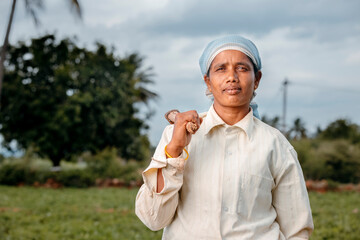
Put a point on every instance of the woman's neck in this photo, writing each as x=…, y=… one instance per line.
x=231, y=115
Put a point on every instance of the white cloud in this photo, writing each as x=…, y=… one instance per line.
x=353, y=58
x=315, y=44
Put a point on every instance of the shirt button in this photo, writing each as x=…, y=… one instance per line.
x=229, y=153
x=226, y=209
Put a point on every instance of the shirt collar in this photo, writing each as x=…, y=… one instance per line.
x=213, y=120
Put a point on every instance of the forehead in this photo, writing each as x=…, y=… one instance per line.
x=227, y=56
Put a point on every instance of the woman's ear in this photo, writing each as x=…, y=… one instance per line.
x=258, y=76
x=207, y=81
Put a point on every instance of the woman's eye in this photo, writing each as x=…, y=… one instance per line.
x=242, y=68
x=220, y=69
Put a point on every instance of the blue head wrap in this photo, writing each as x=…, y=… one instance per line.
x=232, y=42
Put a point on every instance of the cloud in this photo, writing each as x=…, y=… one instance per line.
x=315, y=44
x=200, y=18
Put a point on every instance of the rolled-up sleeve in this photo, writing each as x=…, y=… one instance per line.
x=291, y=201
x=156, y=210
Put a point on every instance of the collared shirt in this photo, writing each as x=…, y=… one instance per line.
x=240, y=182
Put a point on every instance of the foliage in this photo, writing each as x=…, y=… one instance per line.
x=18, y=173
x=332, y=154
x=341, y=129
x=274, y=122
x=31, y=7
x=106, y=164
x=298, y=130
x=342, y=160
x=1, y=158
x=64, y=100
x=12, y=174
x=31, y=170
x=75, y=178
x=336, y=160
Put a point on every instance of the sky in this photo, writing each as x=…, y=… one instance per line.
x=315, y=44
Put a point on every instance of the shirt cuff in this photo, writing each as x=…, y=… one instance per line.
x=172, y=169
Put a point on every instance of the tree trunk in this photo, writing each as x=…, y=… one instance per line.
x=4, y=47
x=56, y=161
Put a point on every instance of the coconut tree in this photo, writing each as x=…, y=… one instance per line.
x=31, y=7
x=298, y=130
x=274, y=122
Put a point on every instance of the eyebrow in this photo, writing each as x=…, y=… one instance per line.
x=224, y=64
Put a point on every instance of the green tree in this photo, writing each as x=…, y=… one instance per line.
x=341, y=129
x=31, y=6
x=298, y=130
x=274, y=122
x=63, y=100
x=342, y=160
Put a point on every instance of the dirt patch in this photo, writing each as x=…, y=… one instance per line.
x=324, y=186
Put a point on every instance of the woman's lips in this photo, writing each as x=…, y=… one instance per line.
x=232, y=90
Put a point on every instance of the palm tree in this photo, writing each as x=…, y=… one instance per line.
x=298, y=130
x=274, y=122
x=31, y=6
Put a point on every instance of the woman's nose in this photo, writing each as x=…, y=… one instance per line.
x=232, y=76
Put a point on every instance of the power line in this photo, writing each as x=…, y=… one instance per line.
x=326, y=87
x=285, y=85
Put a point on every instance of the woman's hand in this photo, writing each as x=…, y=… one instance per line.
x=181, y=137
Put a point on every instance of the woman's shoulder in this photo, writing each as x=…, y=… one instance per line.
x=271, y=133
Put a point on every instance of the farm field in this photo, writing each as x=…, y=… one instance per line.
x=106, y=214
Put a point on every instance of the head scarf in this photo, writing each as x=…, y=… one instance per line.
x=232, y=42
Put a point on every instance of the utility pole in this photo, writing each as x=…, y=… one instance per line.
x=285, y=84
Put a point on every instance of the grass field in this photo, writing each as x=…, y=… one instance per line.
x=46, y=214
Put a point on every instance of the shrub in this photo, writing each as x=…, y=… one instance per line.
x=75, y=178
x=30, y=169
x=131, y=172
x=12, y=174
x=105, y=164
x=342, y=160
x=336, y=160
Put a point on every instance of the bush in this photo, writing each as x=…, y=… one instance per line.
x=12, y=174
x=342, y=160
x=31, y=170
x=106, y=164
x=313, y=167
x=131, y=172
x=18, y=172
x=336, y=160
x=79, y=178
x=1, y=158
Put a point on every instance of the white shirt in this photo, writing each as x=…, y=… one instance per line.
x=240, y=182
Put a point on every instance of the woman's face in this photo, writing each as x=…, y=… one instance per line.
x=232, y=80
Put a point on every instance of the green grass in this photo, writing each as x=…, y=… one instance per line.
x=46, y=214
x=336, y=215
